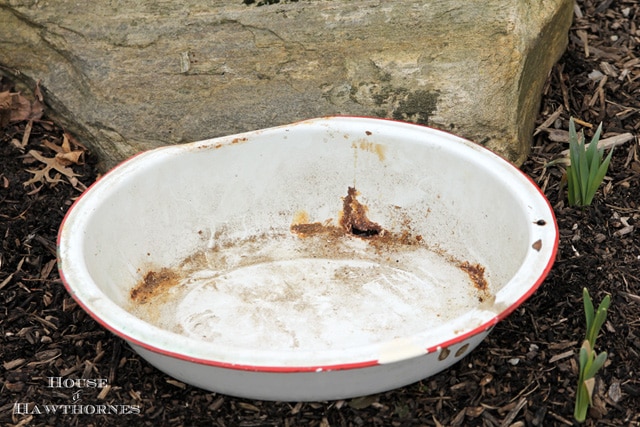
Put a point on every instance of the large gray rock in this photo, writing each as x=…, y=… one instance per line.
x=128, y=76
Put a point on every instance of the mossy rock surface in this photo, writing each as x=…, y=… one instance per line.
x=126, y=77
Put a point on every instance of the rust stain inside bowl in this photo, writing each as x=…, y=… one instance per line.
x=312, y=286
x=354, y=217
x=377, y=149
x=153, y=284
x=476, y=274
x=353, y=222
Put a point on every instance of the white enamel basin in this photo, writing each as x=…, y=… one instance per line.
x=326, y=259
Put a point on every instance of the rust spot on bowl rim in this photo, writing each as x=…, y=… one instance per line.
x=444, y=353
x=537, y=245
x=462, y=350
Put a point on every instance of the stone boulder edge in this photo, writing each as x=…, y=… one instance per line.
x=129, y=76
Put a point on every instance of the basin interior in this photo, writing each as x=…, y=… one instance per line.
x=200, y=240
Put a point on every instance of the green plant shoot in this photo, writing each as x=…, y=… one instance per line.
x=587, y=169
x=590, y=361
x=594, y=318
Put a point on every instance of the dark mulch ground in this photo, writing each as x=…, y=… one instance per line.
x=523, y=374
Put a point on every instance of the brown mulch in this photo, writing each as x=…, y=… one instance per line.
x=523, y=374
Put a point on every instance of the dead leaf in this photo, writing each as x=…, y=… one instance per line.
x=20, y=108
x=16, y=108
x=26, y=135
x=64, y=153
x=74, y=142
x=66, y=145
x=52, y=163
x=43, y=175
x=52, y=146
x=72, y=157
x=5, y=100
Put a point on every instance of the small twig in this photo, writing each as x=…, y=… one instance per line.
x=115, y=360
x=26, y=134
x=513, y=413
x=47, y=244
x=561, y=356
x=560, y=418
x=612, y=141
x=632, y=297
x=550, y=120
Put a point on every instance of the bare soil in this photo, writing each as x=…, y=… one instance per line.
x=524, y=374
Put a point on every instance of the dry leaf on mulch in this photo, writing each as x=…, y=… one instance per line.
x=65, y=154
x=65, y=157
x=14, y=107
x=43, y=176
